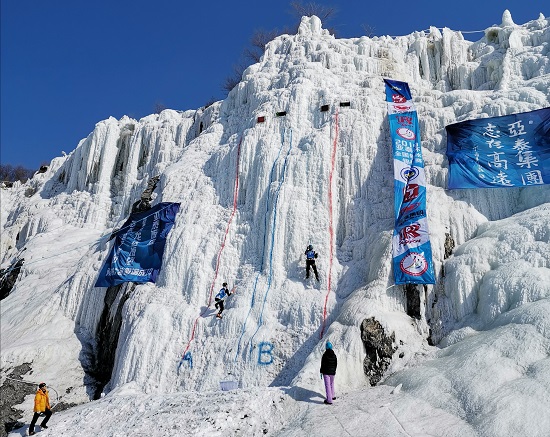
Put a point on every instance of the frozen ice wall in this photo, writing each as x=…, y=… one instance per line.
x=309, y=176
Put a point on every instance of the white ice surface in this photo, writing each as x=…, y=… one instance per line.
x=489, y=375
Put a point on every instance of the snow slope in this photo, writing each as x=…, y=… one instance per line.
x=253, y=196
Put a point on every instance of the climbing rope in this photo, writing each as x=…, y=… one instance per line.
x=235, y=198
x=330, y=224
x=266, y=213
x=273, y=228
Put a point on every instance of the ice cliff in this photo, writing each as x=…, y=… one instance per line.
x=305, y=177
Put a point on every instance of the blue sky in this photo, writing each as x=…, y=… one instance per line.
x=65, y=65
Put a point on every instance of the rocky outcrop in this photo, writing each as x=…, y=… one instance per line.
x=108, y=332
x=412, y=294
x=12, y=392
x=8, y=277
x=379, y=349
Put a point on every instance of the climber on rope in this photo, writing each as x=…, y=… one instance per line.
x=311, y=255
x=220, y=298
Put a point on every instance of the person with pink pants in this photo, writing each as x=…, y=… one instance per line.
x=329, y=362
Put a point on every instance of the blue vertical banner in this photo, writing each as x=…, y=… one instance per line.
x=136, y=255
x=412, y=252
x=497, y=152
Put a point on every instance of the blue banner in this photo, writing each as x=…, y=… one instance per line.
x=508, y=151
x=412, y=251
x=139, y=245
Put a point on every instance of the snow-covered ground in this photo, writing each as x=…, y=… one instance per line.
x=489, y=312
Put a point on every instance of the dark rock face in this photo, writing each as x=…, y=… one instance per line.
x=13, y=392
x=8, y=277
x=449, y=245
x=379, y=349
x=412, y=294
x=108, y=332
x=144, y=204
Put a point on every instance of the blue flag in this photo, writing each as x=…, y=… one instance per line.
x=508, y=151
x=139, y=245
x=412, y=251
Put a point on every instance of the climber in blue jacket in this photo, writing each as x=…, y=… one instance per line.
x=220, y=298
x=311, y=255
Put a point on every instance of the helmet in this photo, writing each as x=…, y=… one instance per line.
x=225, y=284
x=310, y=247
x=329, y=345
x=42, y=384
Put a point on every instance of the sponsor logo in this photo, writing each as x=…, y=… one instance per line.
x=409, y=174
x=398, y=98
x=404, y=120
x=414, y=264
x=406, y=133
x=408, y=208
x=402, y=108
x=409, y=234
x=410, y=193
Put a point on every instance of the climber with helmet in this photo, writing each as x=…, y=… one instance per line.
x=220, y=298
x=310, y=262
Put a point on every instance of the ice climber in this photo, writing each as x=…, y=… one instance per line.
x=328, y=370
x=310, y=262
x=41, y=405
x=220, y=298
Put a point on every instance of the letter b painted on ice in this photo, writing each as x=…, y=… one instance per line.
x=265, y=348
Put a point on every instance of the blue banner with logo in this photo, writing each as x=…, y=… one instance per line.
x=412, y=251
x=508, y=151
x=136, y=255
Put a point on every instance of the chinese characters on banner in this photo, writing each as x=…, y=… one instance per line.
x=136, y=255
x=412, y=252
x=508, y=151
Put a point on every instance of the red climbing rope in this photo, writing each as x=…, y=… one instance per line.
x=235, y=197
x=330, y=226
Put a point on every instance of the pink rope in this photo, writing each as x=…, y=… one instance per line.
x=330, y=225
x=235, y=197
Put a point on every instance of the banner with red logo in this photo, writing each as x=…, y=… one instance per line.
x=412, y=252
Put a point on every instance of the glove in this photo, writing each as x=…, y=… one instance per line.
x=316, y=256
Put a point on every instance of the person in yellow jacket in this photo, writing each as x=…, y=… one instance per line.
x=41, y=405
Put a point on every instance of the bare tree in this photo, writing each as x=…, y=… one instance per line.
x=254, y=53
x=259, y=40
x=235, y=78
x=300, y=9
x=210, y=102
x=18, y=173
x=159, y=107
x=369, y=30
x=261, y=37
x=22, y=174
x=6, y=172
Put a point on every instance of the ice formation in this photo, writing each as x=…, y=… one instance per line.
x=486, y=312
